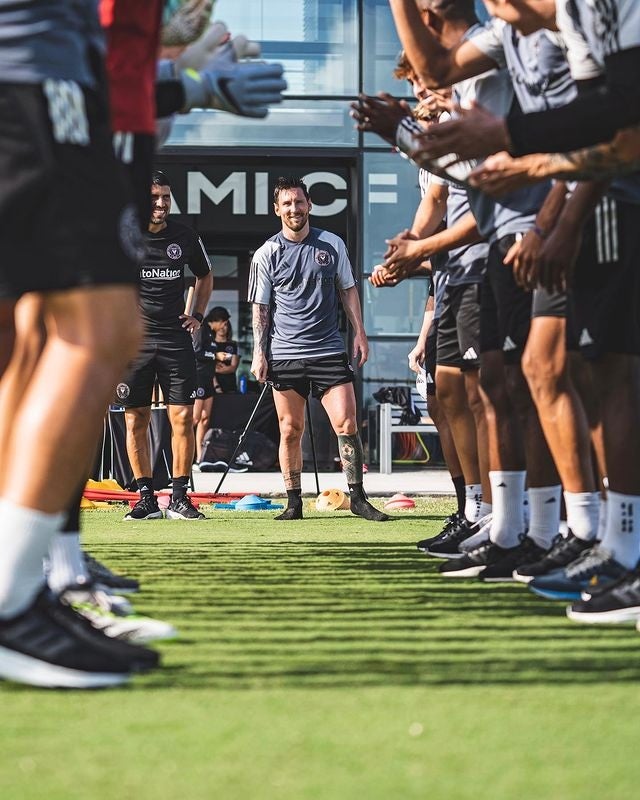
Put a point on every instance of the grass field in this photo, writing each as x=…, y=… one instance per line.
x=326, y=659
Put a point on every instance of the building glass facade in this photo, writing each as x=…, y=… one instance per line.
x=223, y=166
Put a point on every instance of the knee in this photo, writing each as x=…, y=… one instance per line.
x=181, y=419
x=545, y=376
x=291, y=429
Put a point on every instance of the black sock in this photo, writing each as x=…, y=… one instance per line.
x=361, y=507
x=145, y=486
x=458, y=485
x=294, y=497
x=179, y=488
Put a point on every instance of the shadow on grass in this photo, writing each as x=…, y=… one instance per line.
x=357, y=613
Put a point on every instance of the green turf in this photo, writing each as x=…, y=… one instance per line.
x=326, y=659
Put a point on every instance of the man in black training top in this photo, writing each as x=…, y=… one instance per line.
x=296, y=277
x=167, y=352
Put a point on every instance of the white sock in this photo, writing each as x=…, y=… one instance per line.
x=473, y=501
x=485, y=508
x=507, y=490
x=622, y=535
x=66, y=562
x=583, y=509
x=25, y=538
x=602, y=518
x=544, y=508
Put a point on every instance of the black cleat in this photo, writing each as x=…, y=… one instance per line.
x=473, y=563
x=291, y=512
x=361, y=507
x=183, y=509
x=451, y=523
x=502, y=570
x=563, y=551
x=50, y=645
x=99, y=573
x=447, y=545
x=146, y=508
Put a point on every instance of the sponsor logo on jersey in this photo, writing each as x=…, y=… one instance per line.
x=323, y=259
x=160, y=273
x=123, y=391
x=174, y=251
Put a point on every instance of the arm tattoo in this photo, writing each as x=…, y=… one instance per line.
x=601, y=160
x=261, y=326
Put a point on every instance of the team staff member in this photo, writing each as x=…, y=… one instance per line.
x=296, y=277
x=217, y=360
x=167, y=353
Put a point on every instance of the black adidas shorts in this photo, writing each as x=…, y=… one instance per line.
x=310, y=374
x=459, y=328
x=431, y=356
x=170, y=359
x=66, y=214
x=604, y=301
x=505, y=308
x=548, y=304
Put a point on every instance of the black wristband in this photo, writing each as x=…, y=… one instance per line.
x=197, y=315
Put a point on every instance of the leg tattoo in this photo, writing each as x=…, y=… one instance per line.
x=351, y=454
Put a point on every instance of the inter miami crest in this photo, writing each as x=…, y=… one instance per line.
x=174, y=251
x=323, y=259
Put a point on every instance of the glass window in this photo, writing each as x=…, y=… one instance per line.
x=390, y=198
x=388, y=365
x=299, y=123
x=314, y=39
x=380, y=50
x=395, y=310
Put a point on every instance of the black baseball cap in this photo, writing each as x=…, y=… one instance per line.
x=218, y=313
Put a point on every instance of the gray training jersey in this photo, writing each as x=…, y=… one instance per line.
x=42, y=39
x=299, y=281
x=591, y=32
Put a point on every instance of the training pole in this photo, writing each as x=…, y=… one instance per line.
x=247, y=427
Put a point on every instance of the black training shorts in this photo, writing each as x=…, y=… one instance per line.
x=310, y=374
x=459, y=328
x=604, y=300
x=170, y=359
x=66, y=215
x=505, y=308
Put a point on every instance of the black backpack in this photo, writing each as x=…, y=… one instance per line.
x=399, y=396
x=257, y=452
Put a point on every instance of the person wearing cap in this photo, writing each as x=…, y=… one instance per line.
x=217, y=360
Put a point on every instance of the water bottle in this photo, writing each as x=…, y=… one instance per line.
x=242, y=384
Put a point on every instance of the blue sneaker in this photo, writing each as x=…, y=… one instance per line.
x=594, y=569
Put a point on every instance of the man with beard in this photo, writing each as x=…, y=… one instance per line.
x=294, y=284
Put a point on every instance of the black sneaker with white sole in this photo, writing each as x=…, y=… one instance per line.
x=473, y=563
x=618, y=602
x=564, y=550
x=146, y=508
x=183, y=509
x=447, y=545
x=452, y=522
x=50, y=645
x=100, y=573
x=503, y=570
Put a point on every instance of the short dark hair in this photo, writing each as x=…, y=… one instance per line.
x=289, y=182
x=452, y=10
x=159, y=178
